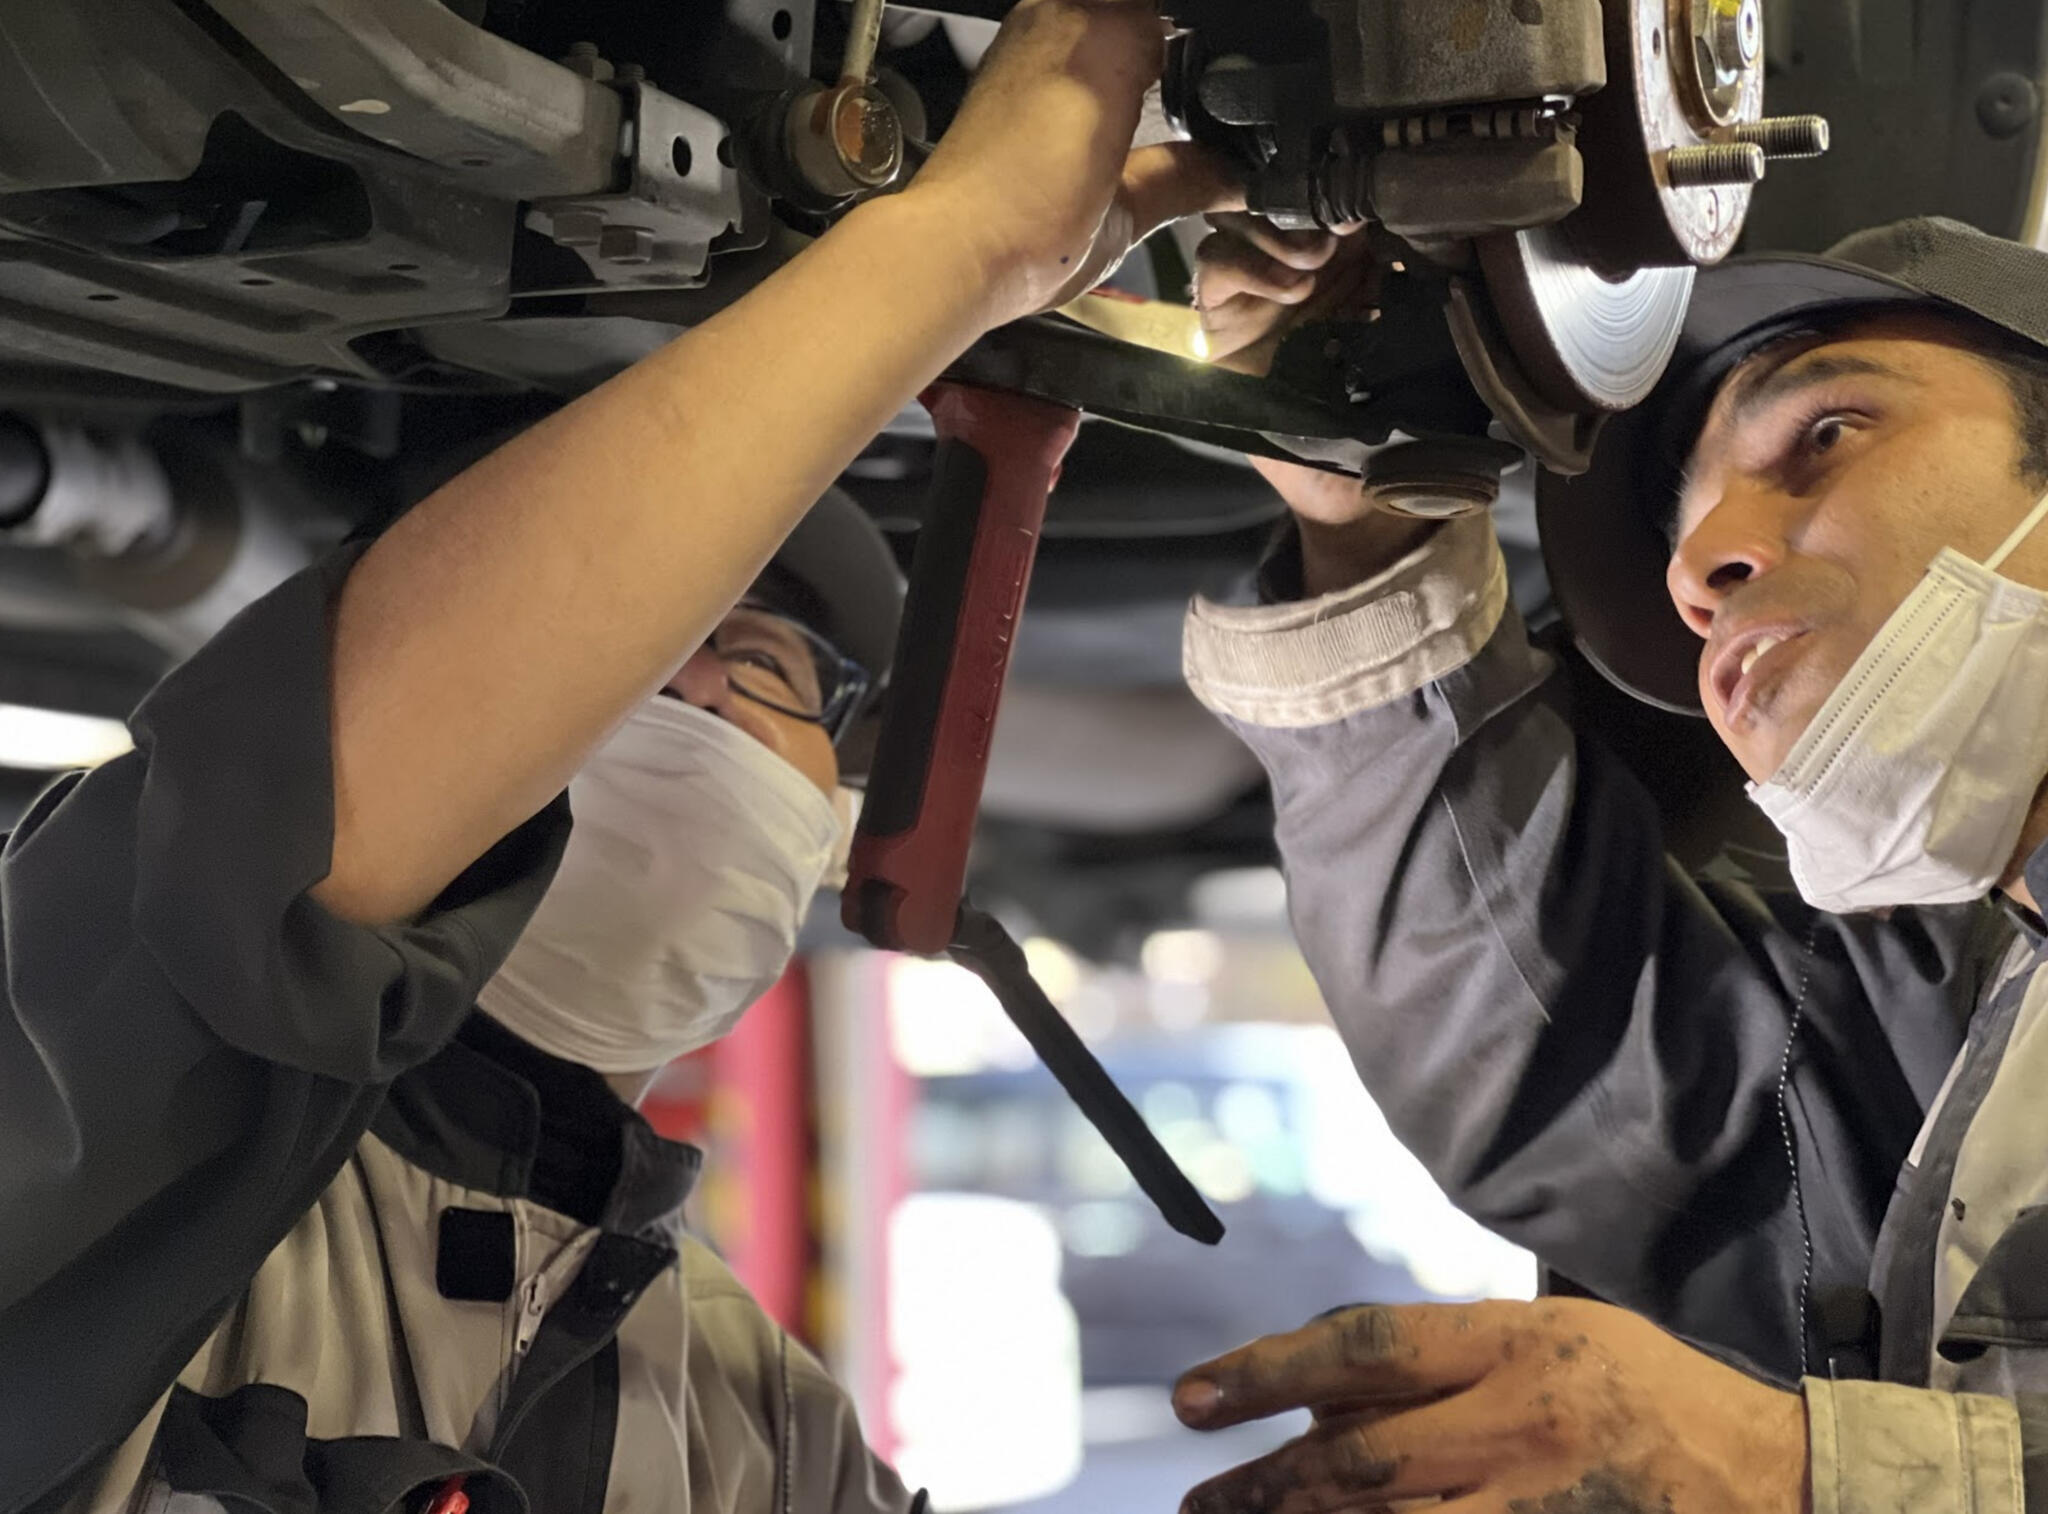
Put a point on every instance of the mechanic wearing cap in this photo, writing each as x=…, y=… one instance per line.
x=703, y=826
x=284, y=1227
x=1805, y=1132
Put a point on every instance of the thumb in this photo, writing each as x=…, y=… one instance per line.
x=1160, y=184
x=1176, y=179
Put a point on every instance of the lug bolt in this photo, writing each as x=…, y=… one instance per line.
x=1713, y=164
x=1783, y=136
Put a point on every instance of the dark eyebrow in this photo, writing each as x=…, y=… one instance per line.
x=1758, y=389
x=1800, y=364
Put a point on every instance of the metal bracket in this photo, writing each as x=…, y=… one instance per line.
x=680, y=195
x=414, y=75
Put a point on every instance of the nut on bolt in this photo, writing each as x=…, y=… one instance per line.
x=846, y=140
x=1727, y=47
x=583, y=58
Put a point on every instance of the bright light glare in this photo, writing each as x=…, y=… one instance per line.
x=1240, y=898
x=1103, y=1228
x=987, y=1406
x=1192, y=957
x=1392, y=1206
x=1222, y=1173
x=55, y=741
x=944, y=1022
x=1057, y=970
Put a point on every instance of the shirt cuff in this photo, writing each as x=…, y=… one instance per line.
x=1880, y=1446
x=1320, y=660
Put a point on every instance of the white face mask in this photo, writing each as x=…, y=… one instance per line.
x=1914, y=780
x=695, y=854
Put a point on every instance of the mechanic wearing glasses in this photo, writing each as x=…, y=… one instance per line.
x=283, y=1227
x=1809, y=1132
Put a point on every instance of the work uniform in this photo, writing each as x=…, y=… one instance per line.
x=1814, y=1144
x=287, y=1227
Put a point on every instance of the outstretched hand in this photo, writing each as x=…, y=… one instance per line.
x=1561, y=1406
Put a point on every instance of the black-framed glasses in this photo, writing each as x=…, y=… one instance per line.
x=782, y=664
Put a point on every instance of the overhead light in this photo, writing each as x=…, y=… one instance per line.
x=56, y=741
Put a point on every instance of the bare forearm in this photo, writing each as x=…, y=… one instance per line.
x=498, y=631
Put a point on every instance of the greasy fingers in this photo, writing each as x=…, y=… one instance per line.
x=1160, y=184
x=1357, y=1464
x=1368, y=1352
x=1549, y=1407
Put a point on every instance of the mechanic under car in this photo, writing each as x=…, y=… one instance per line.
x=1839, y=489
x=235, y=954
x=322, y=1181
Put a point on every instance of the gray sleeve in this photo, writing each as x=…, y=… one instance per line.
x=189, y=1045
x=1580, y=1042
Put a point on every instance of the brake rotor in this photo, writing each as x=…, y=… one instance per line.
x=1593, y=307
x=1585, y=341
x=1681, y=75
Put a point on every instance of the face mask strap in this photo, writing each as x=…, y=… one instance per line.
x=2020, y=533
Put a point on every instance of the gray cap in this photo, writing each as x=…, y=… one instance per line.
x=1603, y=533
x=837, y=574
x=843, y=564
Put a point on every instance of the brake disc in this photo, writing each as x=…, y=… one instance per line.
x=1583, y=339
x=1592, y=308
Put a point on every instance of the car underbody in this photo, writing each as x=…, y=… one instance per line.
x=272, y=269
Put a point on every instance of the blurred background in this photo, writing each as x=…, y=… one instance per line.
x=906, y=1189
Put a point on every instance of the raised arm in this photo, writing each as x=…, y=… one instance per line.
x=498, y=631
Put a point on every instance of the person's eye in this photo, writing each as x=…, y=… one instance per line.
x=767, y=662
x=1825, y=434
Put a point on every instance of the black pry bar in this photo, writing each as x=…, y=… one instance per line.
x=985, y=949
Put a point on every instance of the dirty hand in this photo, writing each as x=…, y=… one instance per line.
x=1561, y=1406
x=1254, y=283
x=1037, y=155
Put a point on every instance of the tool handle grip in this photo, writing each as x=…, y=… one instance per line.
x=985, y=949
x=999, y=457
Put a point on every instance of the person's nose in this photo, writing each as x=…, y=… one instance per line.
x=1745, y=535
x=704, y=682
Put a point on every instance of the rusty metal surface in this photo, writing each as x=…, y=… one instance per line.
x=1390, y=57
x=1633, y=217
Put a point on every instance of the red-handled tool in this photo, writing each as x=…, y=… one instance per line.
x=999, y=457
